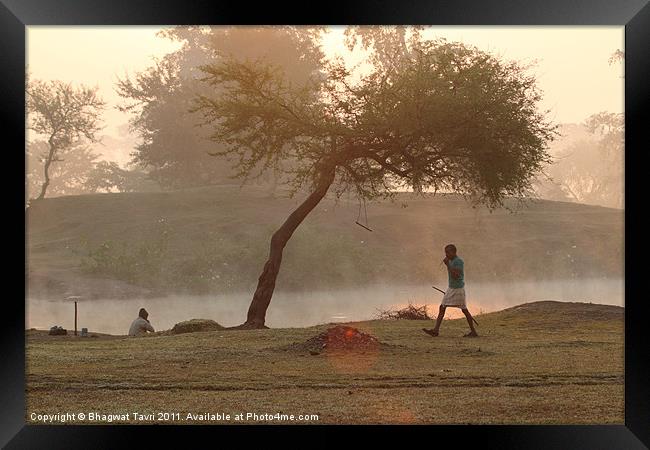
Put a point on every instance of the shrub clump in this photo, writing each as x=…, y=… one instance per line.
x=411, y=312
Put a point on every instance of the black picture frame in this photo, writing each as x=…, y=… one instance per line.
x=15, y=15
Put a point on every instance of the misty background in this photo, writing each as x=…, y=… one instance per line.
x=577, y=68
x=165, y=222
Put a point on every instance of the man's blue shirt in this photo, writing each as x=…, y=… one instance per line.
x=456, y=263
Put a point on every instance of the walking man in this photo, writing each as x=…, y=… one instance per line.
x=455, y=295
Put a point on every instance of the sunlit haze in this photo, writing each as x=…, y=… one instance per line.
x=270, y=236
x=572, y=65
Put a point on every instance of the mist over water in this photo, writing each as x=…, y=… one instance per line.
x=301, y=309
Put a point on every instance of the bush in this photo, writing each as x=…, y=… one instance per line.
x=409, y=313
x=140, y=263
x=313, y=258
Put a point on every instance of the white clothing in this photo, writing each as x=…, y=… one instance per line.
x=454, y=297
x=140, y=327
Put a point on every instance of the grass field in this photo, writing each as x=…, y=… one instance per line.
x=538, y=363
x=215, y=239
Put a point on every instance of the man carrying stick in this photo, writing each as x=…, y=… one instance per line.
x=455, y=295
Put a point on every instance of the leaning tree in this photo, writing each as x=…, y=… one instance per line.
x=442, y=116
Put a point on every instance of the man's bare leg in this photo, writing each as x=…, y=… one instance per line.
x=441, y=314
x=470, y=321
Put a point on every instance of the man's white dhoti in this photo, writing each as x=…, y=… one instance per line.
x=454, y=297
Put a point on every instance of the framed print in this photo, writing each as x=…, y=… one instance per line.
x=420, y=216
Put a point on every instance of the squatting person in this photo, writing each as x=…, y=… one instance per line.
x=141, y=325
x=455, y=295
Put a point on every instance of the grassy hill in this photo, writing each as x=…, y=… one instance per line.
x=536, y=363
x=216, y=239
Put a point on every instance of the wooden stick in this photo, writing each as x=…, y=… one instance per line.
x=438, y=289
x=362, y=225
x=75, y=318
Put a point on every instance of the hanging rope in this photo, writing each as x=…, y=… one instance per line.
x=381, y=234
x=359, y=215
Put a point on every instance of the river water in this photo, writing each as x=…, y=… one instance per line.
x=300, y=309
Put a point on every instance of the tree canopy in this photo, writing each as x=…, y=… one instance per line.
x=64, y=116
x=174, y=150
x=444, y=116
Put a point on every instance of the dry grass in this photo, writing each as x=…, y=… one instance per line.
x=543, y=363
x=410, y=312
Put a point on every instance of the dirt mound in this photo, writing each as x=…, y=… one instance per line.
x=337, y=338
x=570, y=311
x=194, y=325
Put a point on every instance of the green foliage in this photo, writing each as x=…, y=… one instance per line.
x=549, y=241
x=223, y=264
x=440, y=117
x=231, y=263
x=140, y=263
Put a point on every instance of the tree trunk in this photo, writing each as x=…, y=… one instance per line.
x=572, y=193
x=48, y=161
x=266, y=282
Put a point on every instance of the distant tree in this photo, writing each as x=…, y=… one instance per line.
x=617, y=56
x=388, y=44
x=576, y=170
x=108, y=176
x=442, y=116
x=63, y=115
x=591, y=170
x=67, y=177
x=174, y=150
x=547, y=188
x=609, y=128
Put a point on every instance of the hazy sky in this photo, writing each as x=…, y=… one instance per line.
x=572, y=69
